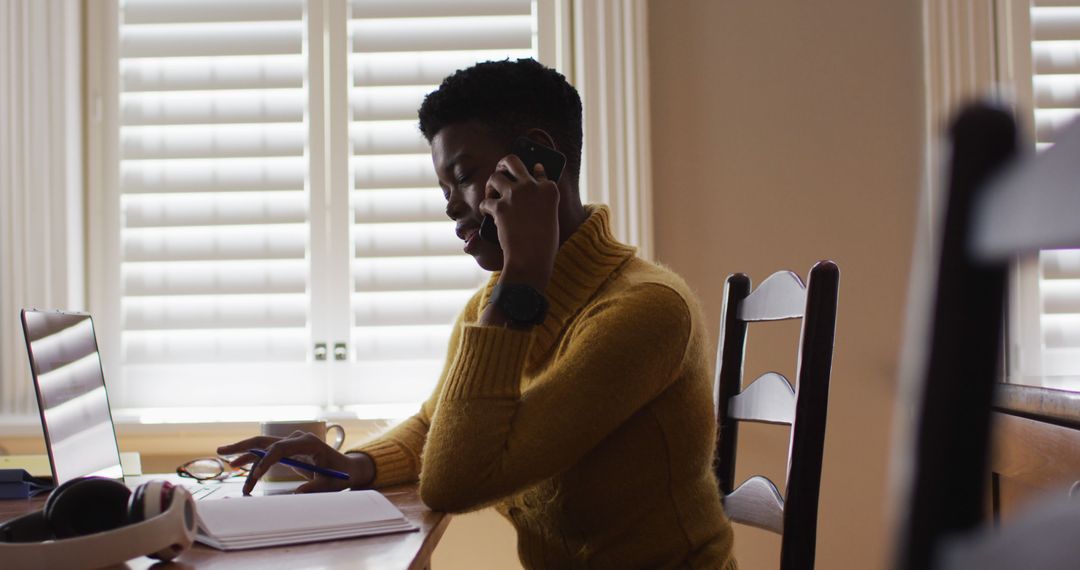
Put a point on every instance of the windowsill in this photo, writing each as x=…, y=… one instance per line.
x=166, y=437
x=147, y=421
x=257, y=414
x=1067, y=383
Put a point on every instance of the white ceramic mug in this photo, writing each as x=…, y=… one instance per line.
x=284, y=429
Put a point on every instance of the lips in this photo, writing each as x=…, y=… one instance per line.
x=469, y=234
x=466, y=232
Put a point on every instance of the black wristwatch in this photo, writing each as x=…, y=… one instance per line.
x=521, y=303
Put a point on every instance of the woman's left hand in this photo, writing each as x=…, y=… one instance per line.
x=526, y=210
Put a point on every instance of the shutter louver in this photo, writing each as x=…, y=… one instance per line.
x=212, y=174
x=410, y=274
x=1055, y=52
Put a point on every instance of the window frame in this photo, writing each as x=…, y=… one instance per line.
x=1012, y=55
x=102, y=64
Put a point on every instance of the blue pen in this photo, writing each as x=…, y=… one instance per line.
x=305, y=466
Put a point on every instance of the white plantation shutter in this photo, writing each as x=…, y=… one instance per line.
x=1055, y=71
x=410, y=275
x=213, y=206
x=231, y=144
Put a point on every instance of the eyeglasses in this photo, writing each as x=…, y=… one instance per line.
x=210, y=469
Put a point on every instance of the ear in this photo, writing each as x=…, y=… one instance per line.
x=541, y=136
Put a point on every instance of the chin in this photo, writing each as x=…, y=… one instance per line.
x=490, y=261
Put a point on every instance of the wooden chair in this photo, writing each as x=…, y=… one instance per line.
x=771, y=399
x=946, y=493
x=997, y=207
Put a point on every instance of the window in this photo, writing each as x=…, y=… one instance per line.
x=267, y=228
x=1027, y=51
x=1044, y=339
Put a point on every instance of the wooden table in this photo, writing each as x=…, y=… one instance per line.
x=409, y=550
x=1036, y=447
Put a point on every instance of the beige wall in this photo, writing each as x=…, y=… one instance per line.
x=785, y=132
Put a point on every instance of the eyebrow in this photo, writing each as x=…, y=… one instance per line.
x=448, y=168
x=457, y=159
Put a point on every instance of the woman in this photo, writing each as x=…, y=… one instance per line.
x=576, y=396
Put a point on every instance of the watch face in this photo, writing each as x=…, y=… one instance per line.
x=522, y=303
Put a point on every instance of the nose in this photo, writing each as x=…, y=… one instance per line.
x=456, y=208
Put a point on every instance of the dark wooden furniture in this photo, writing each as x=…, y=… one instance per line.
x=1035, y=451
x=410, y=550
x=980, y=445
x=771, y=399
x=948, y=471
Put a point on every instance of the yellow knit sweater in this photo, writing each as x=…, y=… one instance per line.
x=593, y=433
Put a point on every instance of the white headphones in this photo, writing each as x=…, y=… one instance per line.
x=93, y=522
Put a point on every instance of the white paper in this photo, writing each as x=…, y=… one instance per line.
x=250, y=522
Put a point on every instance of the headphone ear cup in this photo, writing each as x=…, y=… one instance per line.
x=149, y=500
x=154, y=498
x=85, y=506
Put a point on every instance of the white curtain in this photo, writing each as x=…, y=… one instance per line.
x=41, y=183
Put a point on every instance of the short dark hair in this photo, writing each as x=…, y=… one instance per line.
x=509, y=97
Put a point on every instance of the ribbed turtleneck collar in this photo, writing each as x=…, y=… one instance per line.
x=582, y=265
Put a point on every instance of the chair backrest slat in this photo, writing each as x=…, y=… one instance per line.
x=769, y=399
x=757, y=503
x=780, y=296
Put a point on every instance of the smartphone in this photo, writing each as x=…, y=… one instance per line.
x=530, y=153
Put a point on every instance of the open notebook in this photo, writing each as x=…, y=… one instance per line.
x=274, y=520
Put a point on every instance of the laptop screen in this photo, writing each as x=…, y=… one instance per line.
x=71, y=395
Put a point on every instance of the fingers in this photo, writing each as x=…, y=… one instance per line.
x=489, y=206
x=512, y=163
x=511, y=172
x=294, y=445
x=257, y=442
x=307, y=475
x=498, y=185
x=245, y=459
x=321, y=485
x=518, y=170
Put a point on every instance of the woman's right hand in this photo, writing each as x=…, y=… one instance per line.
x=359, y=466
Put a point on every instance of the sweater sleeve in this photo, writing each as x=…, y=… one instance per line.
x=397, y=453
x=489, y=439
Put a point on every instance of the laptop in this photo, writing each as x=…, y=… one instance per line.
x=75, y=416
